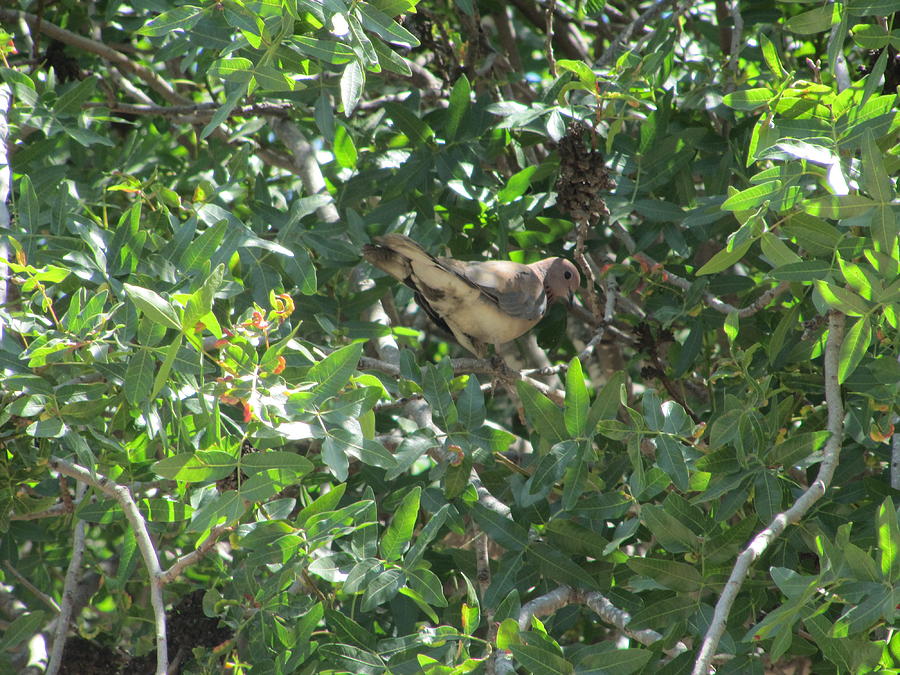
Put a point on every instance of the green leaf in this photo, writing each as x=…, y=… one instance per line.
x=200, y=251
x=839, y=206
x=888, y=532
x=426, y=536
x=807, y=270
x=507, y=533
x=542, y=413
x=436, y=382
x=153, y=306
x=329, y=51
x=196, y=467
x=732, y=325
x=70, y=102
x=516, y=185
x=24, y=627
x=842, y=299
x=748, y=99
x=427, y=584
x=870, y=35
x=457, y=478
x=325, y=502
x=672, y=534
x=581, y=70
x=576, y=475
x=382, y=588
x=724, y=259
x=470, y=405
x=576, y=411
x=353, y=80
x=385, y=27
x=884, y=227
x=232, y=69
x=559, y=568
x=165, y=510
x=228, y=505
x=52, y=427
x=813, y=21
x=179, y=18
x=777, y=251
x=878, y=185
x=417, y=131
x=139, y=376
x=814, y=234
x=539, y=661
x=460, y=101
x=670, y=458
x=350, y=659
x=101, y=511
x=391, y=60
x=276, y=460
x=399, y=530
x=344, y=149
x=607, y=658
x=853, y=348
x=752, y=196
x=333, y=372
x=606, y=403
x=768, y=496
x=797, y=447
x=508, y=634
x=770, y=54
x=675, y=575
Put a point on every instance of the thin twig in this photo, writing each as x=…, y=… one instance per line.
x=420, y=413
x=46, y=599
x=612, y=52
x=711, y=300
x=804, y=503
x=194, y=556
x=52, y=512
x=548, y=39
x=590, y=280
x=737, y=38
x=73, y=574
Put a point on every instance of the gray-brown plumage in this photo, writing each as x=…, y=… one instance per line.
x=481, y=303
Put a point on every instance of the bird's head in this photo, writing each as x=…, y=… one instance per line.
x=561, y=280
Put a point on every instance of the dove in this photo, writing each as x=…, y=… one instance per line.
x=480, y=303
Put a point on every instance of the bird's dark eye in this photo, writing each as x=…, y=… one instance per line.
x=567, y=274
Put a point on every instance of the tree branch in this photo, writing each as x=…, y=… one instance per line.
x=145, y=544
x=103, y=51
x=73, y=574
x=564, y=595
x=804, y=503
x=473, y=366
x=199, y=111
x=566, y=40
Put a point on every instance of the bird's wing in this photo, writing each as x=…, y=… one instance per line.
x=515, y=289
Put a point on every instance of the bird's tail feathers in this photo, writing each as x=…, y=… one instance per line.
x=387, y=260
